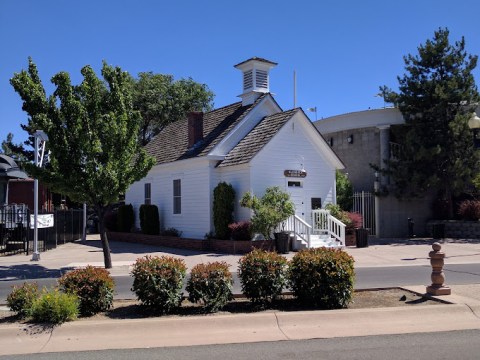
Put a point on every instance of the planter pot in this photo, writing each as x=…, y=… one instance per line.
x=362, y=237
x=282, y=242
x=350, y=239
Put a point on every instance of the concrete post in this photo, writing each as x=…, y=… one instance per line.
x=438, y=277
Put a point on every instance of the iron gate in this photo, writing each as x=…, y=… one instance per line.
x=364, y=203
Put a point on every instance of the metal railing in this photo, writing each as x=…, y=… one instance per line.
x=364, y=203
x=16, y=229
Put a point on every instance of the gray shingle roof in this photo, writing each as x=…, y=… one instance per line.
x=171, y=144
x=256, y=139
x=258, y=59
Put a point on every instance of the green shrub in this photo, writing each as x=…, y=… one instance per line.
x=223, y=206
x=210, y=284
x=22, y=297
x=111, y=220
x=149, y=219
x=55, y=307
x=157, y=282
x=322, y=277
x=125, y=218
x=171, y=232
x=263, y=276
x=93, y=286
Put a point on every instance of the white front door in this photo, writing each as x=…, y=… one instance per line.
x=297, y=195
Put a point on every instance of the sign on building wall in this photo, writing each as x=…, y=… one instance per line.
x=295, y=173
x=43, y=221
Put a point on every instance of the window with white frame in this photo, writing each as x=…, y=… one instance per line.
x=177, y=196
x=148, y=193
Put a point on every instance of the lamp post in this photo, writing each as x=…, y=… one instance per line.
x=474, y=125
x=40, y=140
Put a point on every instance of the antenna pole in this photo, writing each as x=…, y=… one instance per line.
x=294, y=89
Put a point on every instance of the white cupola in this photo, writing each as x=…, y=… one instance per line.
x=255, y=78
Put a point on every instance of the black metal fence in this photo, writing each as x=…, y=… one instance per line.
x=17, y=234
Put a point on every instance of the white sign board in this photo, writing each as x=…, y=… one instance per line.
x=43, y=221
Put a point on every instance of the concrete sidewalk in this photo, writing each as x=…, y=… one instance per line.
x=391, y=252
x=91, y=334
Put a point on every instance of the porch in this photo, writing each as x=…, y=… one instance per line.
x=325, y=231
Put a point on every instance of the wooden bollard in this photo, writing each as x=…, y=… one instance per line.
x=438, y=277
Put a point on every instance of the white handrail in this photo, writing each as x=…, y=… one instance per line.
x=323, y=221
x=301, y=229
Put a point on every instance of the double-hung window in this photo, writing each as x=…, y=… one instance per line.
x=148, y=193
x=177, y=196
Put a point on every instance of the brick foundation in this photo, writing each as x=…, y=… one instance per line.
x=221, y=246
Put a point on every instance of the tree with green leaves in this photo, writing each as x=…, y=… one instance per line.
x=15, y=151
x=344, y=189
x=92, y=130
x=161, y=101
x=269, y=211
x=436, y=97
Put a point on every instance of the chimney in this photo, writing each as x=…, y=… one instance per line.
x=255, y=78
x=195, y=127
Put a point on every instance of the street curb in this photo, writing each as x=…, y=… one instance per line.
x=87, y=334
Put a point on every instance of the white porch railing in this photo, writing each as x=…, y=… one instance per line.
x=300, y=229
x=325, y=223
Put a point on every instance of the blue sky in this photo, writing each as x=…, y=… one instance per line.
x=342, y=51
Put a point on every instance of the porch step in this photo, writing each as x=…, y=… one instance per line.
x=318, y=241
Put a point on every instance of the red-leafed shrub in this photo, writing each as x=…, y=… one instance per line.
x=263, y=276
x=210, y=284
x=22, y=298
x=469, y=210
x=158, y=281
x=241, y=230
x=356, y=220
x=93, y=286
x=322, y=277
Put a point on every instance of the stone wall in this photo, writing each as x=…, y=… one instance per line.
x=457, y=229
x=222, y=246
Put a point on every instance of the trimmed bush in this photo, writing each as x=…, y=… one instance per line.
x=111, y=220
x=210, y=284
x=125, y=218
x=263, y=276
x=223, y=206
x=322, y=277
x=149, y=219
x=157, y=282
x=241, y=230
x=93, y=286
x=55, y=307
x=171, y=232
x=469, y=210
x=22, y=297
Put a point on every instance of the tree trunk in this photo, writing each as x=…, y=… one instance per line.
x=103, y=236
x=449, y=198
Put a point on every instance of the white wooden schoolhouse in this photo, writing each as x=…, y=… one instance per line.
x=252, y=145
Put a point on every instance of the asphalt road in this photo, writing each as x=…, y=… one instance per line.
x=443, y=345
x=366, y=278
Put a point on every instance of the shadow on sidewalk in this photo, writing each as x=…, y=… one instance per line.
x=117, y=247
x=28, y=271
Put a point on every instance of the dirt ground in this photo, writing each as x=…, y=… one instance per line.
x=131, y=309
